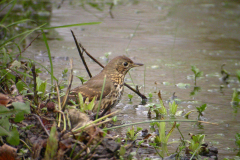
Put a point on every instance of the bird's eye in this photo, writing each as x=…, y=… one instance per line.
x=125, y=64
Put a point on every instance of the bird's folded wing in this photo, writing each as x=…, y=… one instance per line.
x=92, y=90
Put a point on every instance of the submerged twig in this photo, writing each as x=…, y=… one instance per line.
x=110, y=10
x=81, y=55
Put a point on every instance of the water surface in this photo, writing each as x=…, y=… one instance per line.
x=170, y=36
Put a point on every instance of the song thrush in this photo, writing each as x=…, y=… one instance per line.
x=115, y=72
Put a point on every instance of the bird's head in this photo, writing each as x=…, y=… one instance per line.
x=121, y=65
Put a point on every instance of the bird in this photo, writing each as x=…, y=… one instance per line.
x=114, y=72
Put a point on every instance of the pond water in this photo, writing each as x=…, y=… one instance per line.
x=168, y=36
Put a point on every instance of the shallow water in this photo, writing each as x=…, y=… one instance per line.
x=170, y=36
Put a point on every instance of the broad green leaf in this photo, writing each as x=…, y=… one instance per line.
x=21, y=86
x=3, y=131
x=24, y=107
x=4, y=122
x=13, y=137
x=19, y=117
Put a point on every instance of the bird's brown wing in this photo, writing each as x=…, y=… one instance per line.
x=91, y=89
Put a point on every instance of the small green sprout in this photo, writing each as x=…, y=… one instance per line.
x=201, y=109
x=197, y=73
x=84, y=106
x=114, y=119
x=195, y=144
x=173, y=108
x=150, y=95
x=64, y=73
x=81, y=79
x=130, y=96
x=237, y=139
x=132, y=134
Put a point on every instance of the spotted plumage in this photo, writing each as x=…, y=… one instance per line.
x=115, y=72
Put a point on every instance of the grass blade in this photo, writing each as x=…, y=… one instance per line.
x=49, y=56
x=72, y=25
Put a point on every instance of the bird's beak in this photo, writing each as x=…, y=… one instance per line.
x=137, y=64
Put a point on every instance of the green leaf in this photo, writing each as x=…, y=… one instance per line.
x=81, y=100
x=91, y=104
x=235, y=96
x=24, y=107
x=199, y=74
x=4, y=123
x=237, y=137
x=13, y=137
x=150, y=95
x=20, y=109
x=238, y=75
x=19, y=117
x=195, y=69
x=139, y=129
x=3, y=110
x=130, y=96
x=81, y=79
x=52, y=144
x=122, y=151
x=114, y=119
x=21, y=86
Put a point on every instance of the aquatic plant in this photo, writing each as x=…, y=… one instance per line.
x=201, y=109
x=197, y=74
x=132, y=134
x=130, y=96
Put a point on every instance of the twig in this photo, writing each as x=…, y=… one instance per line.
x=41, y=124
x=137, y=92
x=59, y=106
x=81, y=55
x=110, y=10
x=35, y=98
x=29, y=148
x=27, y=47
x=65, y=99
x=89, y=55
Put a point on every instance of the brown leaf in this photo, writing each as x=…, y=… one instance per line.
x=4, y=100
x=159, y=95
x=8, y=153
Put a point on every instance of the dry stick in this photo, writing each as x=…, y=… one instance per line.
x=89, y=55
x=27, y=46
x=65, y=99
x=59, y=105
x=41, y=124
x=35, y=98
x=81, y=55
